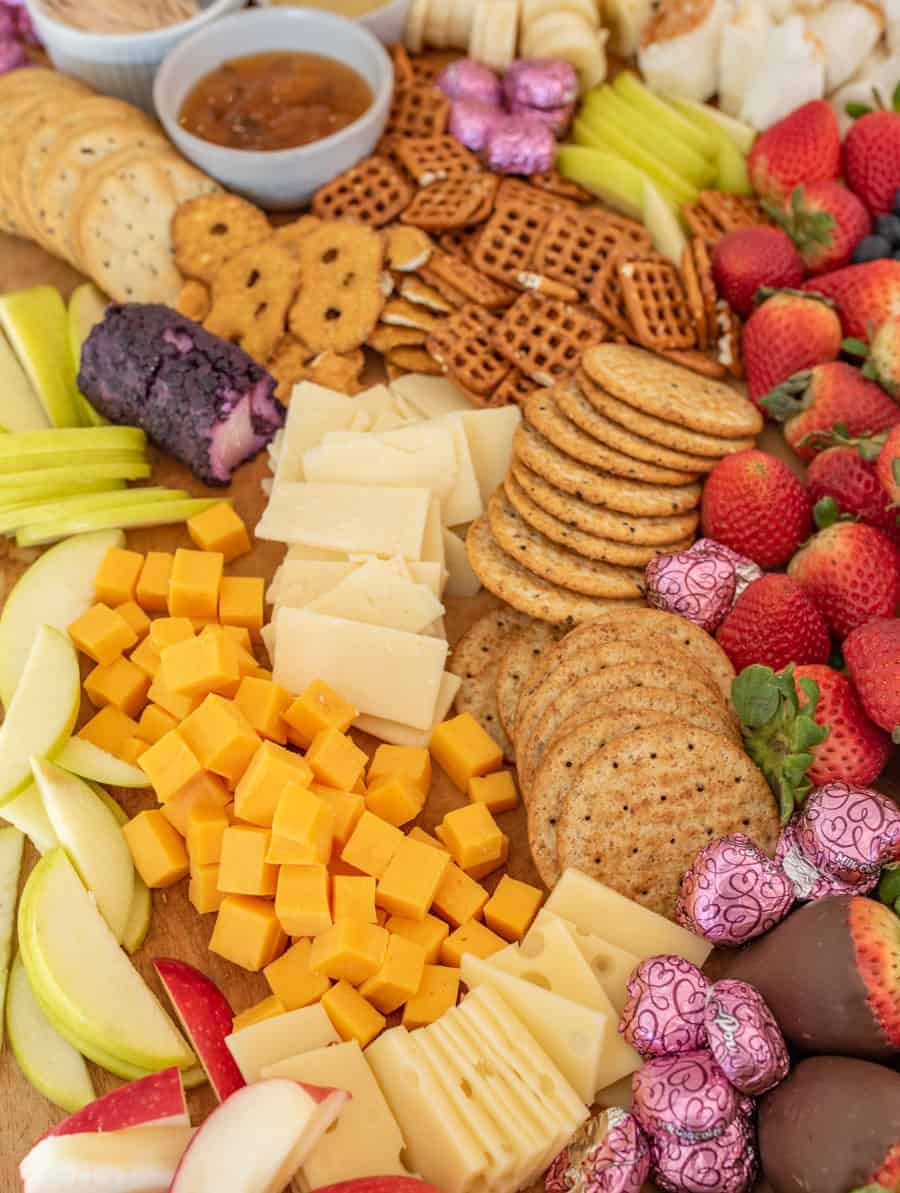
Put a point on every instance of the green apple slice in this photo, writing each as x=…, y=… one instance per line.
x=88, y=761
x=89, y=416
x=12, y=843
x=131, y=467
x=27, y=813
x=87, y=306
x=664, y=116
x=55, y=590
x=37, y=326
x=92, y=838
x=75, y=966
x=48, y=1062
x=662, y=224
x=608, y=135
x=40, y=716
x=141, y=910
x=154, y=513
x=33, y=486
x=71, y=439
x=715, y=122
x=20, y=407
x=25, y=462
x=732, y=176
x=66, y=507
x=605, y=175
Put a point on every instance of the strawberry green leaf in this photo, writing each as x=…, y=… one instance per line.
x=854, y=110
x=854, y=347
x=895, y=99
x=789, y=398
x=895, y=469
x=826, y=512
x=889, y=886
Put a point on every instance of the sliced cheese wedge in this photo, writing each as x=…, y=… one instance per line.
x=422, y=456
x=312, y=413
x=431, y=396
x=611, y=965
x=376, y=594
x=490, y=434
x=464, y=503
x=404, y=735
x=461, y=579
x=266, y=1043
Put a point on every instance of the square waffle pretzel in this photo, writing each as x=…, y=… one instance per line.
x=703, y=266
x=545, y=338
x=715, y=213
x=373, y=193
x=419, y=110
x=554, y=182
x=432, y=159
x=463, y=346
x=506, y=245
x=515, y=190
x=696, y=304
x=427, y=66
x=403, y=71
x=514, y=389
x=658, y=311
x=605, y=295
x=575, y=245
x=458, y=275
x=702, y=224
x=454, y=203
x=461, y=242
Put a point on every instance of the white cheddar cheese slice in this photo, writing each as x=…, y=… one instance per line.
x=406, y=410
x=384, y=673
x=312, y=413
x=461, y=580
x=433, y=537
x=365, y=1139
x=490, y=435
x=374, y=593
x=390, y=421
x=440, y=1147
x=430, y=574
x=375, y=401
x=299, y=581
x=299, y=552
x=464, y=503
x=595, y=908
x=374, y=519
x=396, y=734
x=611, y=965
x=266, y=1043
x=423, y=456
x=432, y=396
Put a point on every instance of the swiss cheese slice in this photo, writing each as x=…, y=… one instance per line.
x=461, y=580
x=490, y=435
x=396, y=734
x=312, y=413
x=374, y=593
x=464, y=504
x=431, y=396
x=266, y=1043
x=423, y=456
x=611, y=965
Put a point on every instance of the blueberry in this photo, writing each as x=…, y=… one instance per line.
x=895, y=255
x=888, y=226
x=871, y=248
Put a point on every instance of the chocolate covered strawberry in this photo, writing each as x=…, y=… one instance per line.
x=787, y=334
x=825, y=221
x=851, y=572
x=873, y=657
x=856, y=749
x=864, y=295
x=804, y=147
x=750, y=259
x=871, y=159
x=773, y=622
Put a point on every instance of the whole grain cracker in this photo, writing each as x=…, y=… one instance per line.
x=545, y=338
x=209, y=230
x=251, y=296
x=340, y=298
x=476, y=660
x=374, y=192
x=521, y=653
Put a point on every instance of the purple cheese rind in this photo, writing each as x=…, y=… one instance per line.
x=199, y=398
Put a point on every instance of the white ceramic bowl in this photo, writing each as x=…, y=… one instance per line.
x=388, y=22
x=284, y=178
x=121, y=65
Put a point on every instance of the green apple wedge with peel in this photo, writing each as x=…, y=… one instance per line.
x=74, y=439
x=87, y=306
x=26, y=813
x=605, y=175
x=668, y=120
x=25, y=462
x=732, y=170
x=20, y=407
x=662, y=224
x=48, y=1062
x=54, y=591
x=12, y=844
x=104, y=1003
x=154, y=513
x=36, y=486
x=141, y=910
x=131, y=467
x=88, y=761
x=592, y=128
x=68, y=507
x=42, y=712
x=37, y=327
x=715, y=122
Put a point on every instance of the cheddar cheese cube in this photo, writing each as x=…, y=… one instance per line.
x=102, y=634
x=109, y=729
x=471, y=937
x=418, y=834
x=206, y=790
x=247, y=932
x=458, y=898
x=302, y=900
x=132, y=749
x=146, y=656
x=306, y=820
x=285, y=852
x=408, y=885
x=488, y=867
x=318, y=708
x=219, y=528
x=243, y=869
x=399, y=977
x=259, y=789
x=291, y=979
x=437, y=993
x=177, y=704
x=119, y=683
x=372, y=844
x=170, y=765
x=347, y=807
x=206, y=825
x=157, y=850
x=155, y=723
x=352, y=1017
x=430, y=933
x=262, y=703
x=349, y=949
x=203, y=889
x=201, y=665
x=472, y=836
x=512, y=907
x=395, y=798
x=354, y=898
x=464, y=749
x=238, y=635
x=497, y=791
x=339, y=867
x=194, y=583
x=336, y=761
x=243, y=655
x=241, y=602
x=410, y=762
x=169, y=631
x=136, y=618
x=221, y=737
x=152, y=591
x=268, y=1008
x=117, y=576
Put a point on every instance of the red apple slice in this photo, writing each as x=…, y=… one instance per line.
x=257, y=1140
x=141, y=1160
x=206, y=1018
x=380, y=1184
x=157, y=1100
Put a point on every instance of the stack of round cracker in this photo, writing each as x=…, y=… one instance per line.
x=605, y=474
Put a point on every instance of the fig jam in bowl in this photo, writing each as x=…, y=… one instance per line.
x=275, y=102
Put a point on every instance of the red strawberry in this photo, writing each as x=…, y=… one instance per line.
x=825, y=222
x=819, y=399
x=748, y=259
x=852, y=573
x=773, y=622
x=864, y=295
x=871, y=162
x=882, y=356
x=888, y=467
x=785, y=334
x=753, y=503
x=804, y=147
x=873, y=656
x=855, y=749
x=847, y=475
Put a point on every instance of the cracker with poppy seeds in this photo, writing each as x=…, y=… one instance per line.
x=374, y=192
x=476, y=660
x=545, y=338
x=519, y=656
x=463, y=346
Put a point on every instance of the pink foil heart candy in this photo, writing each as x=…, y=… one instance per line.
x=609, y=1154
x=726, y=1164
x=520, y=145
x=744, y=1038
x=809, y=882
x=666, y=1007
x=849, y=833
x=556, y=119
x=687, y=1096
x=540, y=83
x=467, y=79
x=745, y=570
x=732, y=892
x=472, y=122
x=697, y=586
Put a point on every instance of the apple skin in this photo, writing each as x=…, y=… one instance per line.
x=381, y=1184
x=141, y=1160
x=156, y=1100
x=207, y=1019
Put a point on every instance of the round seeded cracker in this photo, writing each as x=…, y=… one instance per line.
x=518, y=659
x=476, y=660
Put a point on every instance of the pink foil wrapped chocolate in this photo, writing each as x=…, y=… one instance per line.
x=472, y=122
x=520, y=145
x=849, y=833
x=540, y=83
x=745, y=570
x=809, y=882
x=666, y=1007
x=744, y=1038
x=556, y=119
x=732, y=892
x=609, y=1154
x=12, y=56
x=687, y=1096
x=698, y=586
x=725, y=1164
x=468, y=79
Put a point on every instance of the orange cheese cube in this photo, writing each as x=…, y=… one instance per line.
x=132, y=749
x=399, y=977
x=317, y=708
x=206, y=789
x=169, y=631
x=285, y=852
x=157, y=850
x=430, y=933
x=350, y=950
x=497, y=791
x=194, y=583
x=472, y=835
x=136, y=618
x=238, y=635
x=458, y=898
x=201, y=665
x=262, y=703
x=219, y=528
x=109, y=730
x=347, y=807
x=176, y=704
x=336, y=761
x=407, y=887
x=152, y=591
x=472, y=937
x=206, y=825
x=117, y=576
x=512, y=907
x=155, y=723
x=102, y=634
x=437, y=993
x=354, y=898
x=221, y=737
x=241, y=602
x=372, y=844
x=351, y=1016
x=247, y=932
x=268, y=1008
x=381, y=916
x=464, y=749
x=291, y=979
x=270, y=770
x=146, y=656
x=119, y=683
x=395, y=798
x=307, y=821
x=479, y=872
x=246, y=662
x=409, y=761
x=170, y=765
x=418, y=834
x=243, y=869
x=203, y=889
x=260, y=672
x=301, y=900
